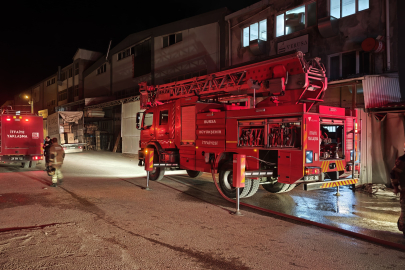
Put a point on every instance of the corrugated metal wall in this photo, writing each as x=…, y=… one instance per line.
x=130, y=135
x=381, y=90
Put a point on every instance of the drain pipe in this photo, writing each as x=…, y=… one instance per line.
x=229, y=44
x=387, y=30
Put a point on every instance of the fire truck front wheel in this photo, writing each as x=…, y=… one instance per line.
x=158, y=172
x=277, y=187
x=194, y=174
x=225, y=182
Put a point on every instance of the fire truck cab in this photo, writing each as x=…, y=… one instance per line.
x=199, y=124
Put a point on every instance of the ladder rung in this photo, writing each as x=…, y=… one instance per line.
x=311, y=100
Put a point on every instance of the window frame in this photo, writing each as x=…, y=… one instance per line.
x=102, y=69
x=258, y=32
x=340, y=54
x=160, y=117
x=356, y=8
x=176, y=35
x=144, y=117
x=285, y=11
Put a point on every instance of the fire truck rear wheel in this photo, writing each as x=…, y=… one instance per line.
x=277, y=187
x=225, y=182
x=26, y=165
x=254, y=188
x=158, y=172
x=194, y=174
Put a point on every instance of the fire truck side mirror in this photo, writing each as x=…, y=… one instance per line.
x=138, y=120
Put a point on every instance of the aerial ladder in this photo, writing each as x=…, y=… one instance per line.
x=285, y=80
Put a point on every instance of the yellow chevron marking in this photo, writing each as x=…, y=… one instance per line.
x=231, y=142
x=326, y=166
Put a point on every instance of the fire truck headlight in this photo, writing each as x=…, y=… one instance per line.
x=309, y=155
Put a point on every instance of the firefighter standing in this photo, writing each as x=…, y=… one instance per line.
x=398, y=181
x=56, y=160
x=46, y=147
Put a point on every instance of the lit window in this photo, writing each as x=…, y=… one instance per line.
x=296, y=19
x=246, y=37
x=254, y=32
x=343, y=8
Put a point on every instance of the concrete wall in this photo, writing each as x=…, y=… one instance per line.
x=97, y=85
x=353, y=30
x=198, y=50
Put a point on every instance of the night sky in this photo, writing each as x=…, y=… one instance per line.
x=38, y=36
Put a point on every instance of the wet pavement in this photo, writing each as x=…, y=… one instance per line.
x=372, y=215
x=102, y=218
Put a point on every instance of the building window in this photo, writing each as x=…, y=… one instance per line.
x=76, y=91
x=77, y=69
x=254, y=31
x=343, y=8
x=62, y=76
x=102, y=69
x=70, y=73
x=172, y=39
x=296, y=19
x=349, y=64
x=62, y=95
x=124, y=54
x=50, y=82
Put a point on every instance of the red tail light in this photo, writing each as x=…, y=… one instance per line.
x=26, y=119
x=312, y=171
x=8, y=119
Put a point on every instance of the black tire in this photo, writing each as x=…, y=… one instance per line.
x=33, y=164
x=26, y=165
x=277, y=187
x=253, y=189
x=158, y=172
x=194, y=174
x=225, y=182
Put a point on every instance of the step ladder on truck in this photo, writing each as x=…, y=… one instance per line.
x=198, y=125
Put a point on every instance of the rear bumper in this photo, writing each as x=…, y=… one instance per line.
x=330, y=184
x=73, y=148
x=15, y=158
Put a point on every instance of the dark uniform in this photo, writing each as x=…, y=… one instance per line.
x=46, y=147
x=398, y=182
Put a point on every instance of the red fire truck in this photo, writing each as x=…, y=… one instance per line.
x=198, y=125
x=21, y=136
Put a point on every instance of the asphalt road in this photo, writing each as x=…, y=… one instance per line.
x=102, y=218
